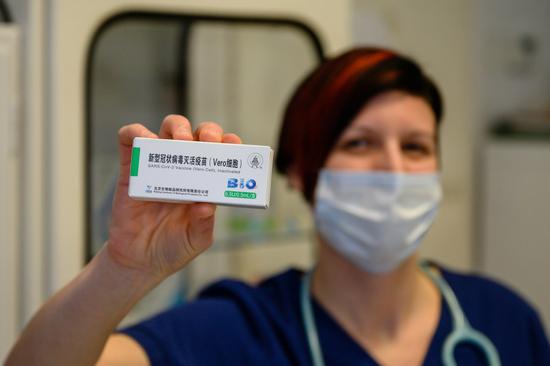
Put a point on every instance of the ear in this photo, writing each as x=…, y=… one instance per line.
x=294, y=180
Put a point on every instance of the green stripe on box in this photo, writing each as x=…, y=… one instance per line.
x=237, y=194
x=134, y=167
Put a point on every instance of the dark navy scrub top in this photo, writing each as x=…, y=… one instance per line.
x=232, y=323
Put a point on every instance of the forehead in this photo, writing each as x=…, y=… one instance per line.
x=396, y=112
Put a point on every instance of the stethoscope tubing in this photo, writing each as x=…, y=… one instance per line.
x=462, y=331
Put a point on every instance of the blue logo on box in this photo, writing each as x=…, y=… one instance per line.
x=241, y=183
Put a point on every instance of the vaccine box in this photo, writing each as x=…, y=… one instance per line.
x=193, y=171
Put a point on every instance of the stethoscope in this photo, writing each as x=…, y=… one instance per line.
x=462, y=330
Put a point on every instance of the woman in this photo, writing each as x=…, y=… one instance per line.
x=360, y=140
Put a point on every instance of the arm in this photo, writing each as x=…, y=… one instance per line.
x=148, y=241
x=73, y=326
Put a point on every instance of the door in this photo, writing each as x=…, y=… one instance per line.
x=79, y=145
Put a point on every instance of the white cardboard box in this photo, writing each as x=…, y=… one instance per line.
x=192, y=171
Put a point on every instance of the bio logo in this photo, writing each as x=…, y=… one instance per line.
x=241, y=183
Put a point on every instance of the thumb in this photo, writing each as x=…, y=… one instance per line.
x=126, y=137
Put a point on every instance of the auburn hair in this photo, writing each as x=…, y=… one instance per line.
x=329, y=98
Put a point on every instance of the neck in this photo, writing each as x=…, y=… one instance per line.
x=371, y=305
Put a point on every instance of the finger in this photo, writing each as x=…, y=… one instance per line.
x=127, y=133
x=201, y=226
x=209, y=132
x=176, y=127
x=126, y=136
x=231, y=138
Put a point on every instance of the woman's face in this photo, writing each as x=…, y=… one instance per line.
x=394, y=132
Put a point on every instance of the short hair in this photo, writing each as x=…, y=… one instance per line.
x=330, y=97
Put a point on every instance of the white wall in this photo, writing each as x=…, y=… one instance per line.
x=516, y=208
x=514, y=205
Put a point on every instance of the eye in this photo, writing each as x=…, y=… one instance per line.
x=417, y=148
x=356, y=144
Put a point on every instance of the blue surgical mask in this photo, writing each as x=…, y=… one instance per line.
x=375, y=219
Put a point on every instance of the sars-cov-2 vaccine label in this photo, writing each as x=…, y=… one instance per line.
x=193, y=171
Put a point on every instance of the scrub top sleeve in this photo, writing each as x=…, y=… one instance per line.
x=162, y=337
x=148, y=342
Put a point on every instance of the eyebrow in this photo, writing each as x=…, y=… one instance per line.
x=363, y=129
x=420, y=134
x=409, y=134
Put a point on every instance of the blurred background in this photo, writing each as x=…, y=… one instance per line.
x=72, y=72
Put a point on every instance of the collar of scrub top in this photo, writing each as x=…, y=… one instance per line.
x=462, y=330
